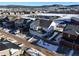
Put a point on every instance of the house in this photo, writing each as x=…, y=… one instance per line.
x=39, y=28
x=12, y=13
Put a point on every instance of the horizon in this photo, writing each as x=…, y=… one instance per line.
x=38, y=3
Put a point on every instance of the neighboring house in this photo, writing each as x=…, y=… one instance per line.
x=23, y=24
x=71, y=36
x=60, y=23
x=19, y=22
x=75, y=20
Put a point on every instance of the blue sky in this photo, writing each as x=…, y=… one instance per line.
x=38, y=3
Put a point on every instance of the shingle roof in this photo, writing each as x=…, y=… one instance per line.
x=72, y=29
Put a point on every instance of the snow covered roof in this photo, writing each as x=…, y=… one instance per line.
x=67, y=17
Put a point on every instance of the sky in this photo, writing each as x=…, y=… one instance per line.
x=38, y=3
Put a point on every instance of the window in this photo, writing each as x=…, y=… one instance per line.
x=77, y=40
x=65, y=35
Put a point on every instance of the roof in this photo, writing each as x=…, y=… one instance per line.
x=75, y=18
x=67, y=17
x=72, y=29
x=45, y=23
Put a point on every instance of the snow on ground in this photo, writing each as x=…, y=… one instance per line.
x=35, y=52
